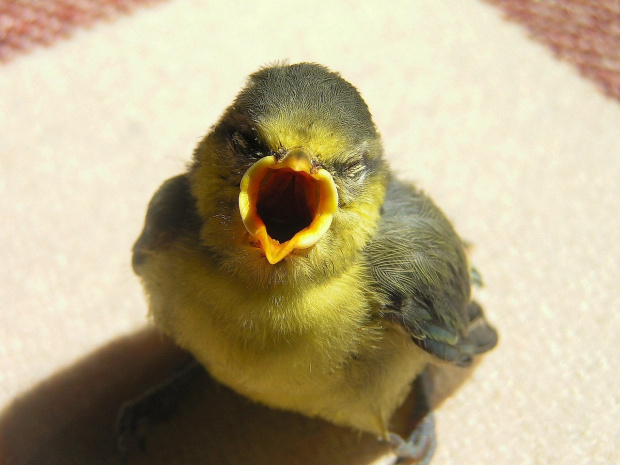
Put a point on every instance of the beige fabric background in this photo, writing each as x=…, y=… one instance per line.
x=516, y=146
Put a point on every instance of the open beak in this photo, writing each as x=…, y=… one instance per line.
x=286, y=205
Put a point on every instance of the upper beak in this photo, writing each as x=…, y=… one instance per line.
x=286, y=204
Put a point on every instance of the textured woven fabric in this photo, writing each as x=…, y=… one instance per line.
x=25, y=24
x=515, y=145
x=585, y=33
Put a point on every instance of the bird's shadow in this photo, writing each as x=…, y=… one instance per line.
x=70, y=418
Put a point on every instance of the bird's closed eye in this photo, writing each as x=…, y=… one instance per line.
x=247, y=144
x=354, y=168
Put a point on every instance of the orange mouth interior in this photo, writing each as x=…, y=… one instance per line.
x=286, y=206
x=287, y=202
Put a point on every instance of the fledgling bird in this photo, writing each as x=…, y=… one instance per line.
x=292, y=264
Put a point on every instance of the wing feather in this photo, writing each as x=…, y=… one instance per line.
x=171, y=213
x=420, y=269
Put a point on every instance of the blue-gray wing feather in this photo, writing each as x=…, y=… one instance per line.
x=420, y=269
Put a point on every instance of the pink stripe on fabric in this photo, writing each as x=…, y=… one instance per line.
x=25, y=24
x=585, y=33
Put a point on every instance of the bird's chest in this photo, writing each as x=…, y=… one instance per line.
x=276, y=343
x=320, y=352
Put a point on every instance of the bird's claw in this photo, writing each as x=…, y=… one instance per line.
x=419, y=447
x=131, y=429
x=155, y=405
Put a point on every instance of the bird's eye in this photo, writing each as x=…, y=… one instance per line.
x=247, y=144
x=353, y=169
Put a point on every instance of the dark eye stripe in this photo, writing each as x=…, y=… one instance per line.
x=239, y=131
x=247, y=144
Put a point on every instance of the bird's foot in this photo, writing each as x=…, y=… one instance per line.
x=153, y=406
x=419, y=447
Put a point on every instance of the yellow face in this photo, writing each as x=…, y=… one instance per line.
x=287, y=195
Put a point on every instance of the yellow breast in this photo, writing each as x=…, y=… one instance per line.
x=317, y=351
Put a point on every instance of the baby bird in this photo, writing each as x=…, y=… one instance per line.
x=297, y=269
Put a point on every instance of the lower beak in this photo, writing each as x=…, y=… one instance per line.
x=285, y=204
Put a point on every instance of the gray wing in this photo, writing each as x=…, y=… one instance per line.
x=171, y=214
x=420, y=269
